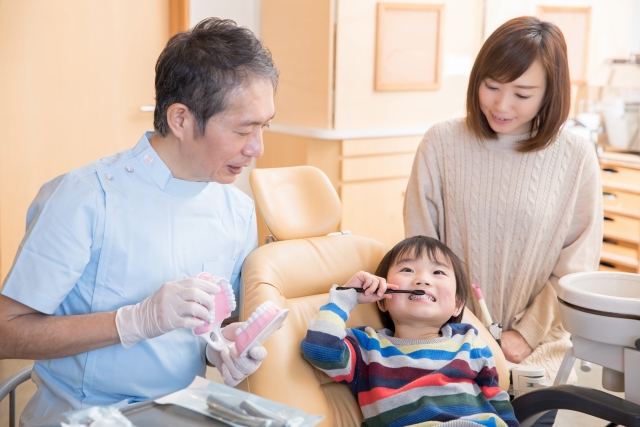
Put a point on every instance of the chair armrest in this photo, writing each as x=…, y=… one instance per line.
x=588, y=401
x=14, y=381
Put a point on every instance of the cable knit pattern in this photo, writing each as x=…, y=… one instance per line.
x=520, y=221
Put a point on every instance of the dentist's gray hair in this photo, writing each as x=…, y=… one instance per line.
x=201, y=66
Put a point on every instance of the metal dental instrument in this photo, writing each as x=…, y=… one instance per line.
x=388, y=291
x=234, y=414
x=257, y=411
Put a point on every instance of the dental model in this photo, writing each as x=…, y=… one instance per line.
x=225, y=303
x=260, y=326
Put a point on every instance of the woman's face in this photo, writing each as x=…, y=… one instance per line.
x=511, y=107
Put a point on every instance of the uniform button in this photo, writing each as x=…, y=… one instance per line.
x=148, y=158
x=108, y=177
x=129, y=169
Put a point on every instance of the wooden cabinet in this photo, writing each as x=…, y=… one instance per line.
x=326, y=53
x=330, y=115
x=374, y=209
x=621, y=199
x=79, y=72
x=369, y=174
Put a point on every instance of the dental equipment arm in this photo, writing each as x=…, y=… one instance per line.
x=595, y=403
x=180, y=304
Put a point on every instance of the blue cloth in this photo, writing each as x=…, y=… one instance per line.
x=110, y=234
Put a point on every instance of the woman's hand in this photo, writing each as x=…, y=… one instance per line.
x=374, y=287
x=514, y=346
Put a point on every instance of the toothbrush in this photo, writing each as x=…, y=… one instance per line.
x=225, y=303
x=260, y=326
x=388, y=291
x=483, y=304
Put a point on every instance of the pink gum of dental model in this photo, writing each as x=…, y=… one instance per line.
x=260, y=326
x=222, y=300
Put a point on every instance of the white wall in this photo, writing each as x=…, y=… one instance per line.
x=246, y=13
x=359, y=106
x=609, y=33
x=614, y=32
x=634, y=40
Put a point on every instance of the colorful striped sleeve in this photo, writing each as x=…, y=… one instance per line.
x=325, y=345
x=487, y=380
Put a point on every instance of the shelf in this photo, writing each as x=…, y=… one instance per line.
x=619, y=260
x=620, y=159
x=622, y=236
x=635, y=189
x=625, y=212
x=340, y=134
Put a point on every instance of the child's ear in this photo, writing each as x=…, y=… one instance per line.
x=458, y=310
x=382, y=306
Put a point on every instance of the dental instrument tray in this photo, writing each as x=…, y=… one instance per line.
x=207, y=403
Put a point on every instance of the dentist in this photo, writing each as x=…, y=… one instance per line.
x=102, y=290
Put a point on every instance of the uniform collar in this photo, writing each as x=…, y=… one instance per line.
x=160, y=173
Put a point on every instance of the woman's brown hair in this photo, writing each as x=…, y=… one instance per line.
x=504, y=57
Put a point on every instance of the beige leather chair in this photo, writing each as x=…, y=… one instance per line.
x=300, y=207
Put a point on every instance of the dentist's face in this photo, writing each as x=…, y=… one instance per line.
x=511, y=107
x=233, y=137
x=436, y=278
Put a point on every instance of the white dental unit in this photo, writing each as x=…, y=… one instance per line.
x=601, y=310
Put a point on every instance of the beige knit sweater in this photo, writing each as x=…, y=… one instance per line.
x=520, y=221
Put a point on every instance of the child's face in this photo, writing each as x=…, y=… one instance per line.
x=438, y=281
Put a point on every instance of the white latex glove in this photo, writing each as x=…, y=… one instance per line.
x=233, y=368
x=180, y=304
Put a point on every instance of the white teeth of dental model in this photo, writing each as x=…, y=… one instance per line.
x=261, y=309
x=231, y=298
x=264, y=306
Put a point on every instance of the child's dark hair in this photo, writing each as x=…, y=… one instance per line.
x=418, y=247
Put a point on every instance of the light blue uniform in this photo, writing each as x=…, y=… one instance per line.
x=110, y=234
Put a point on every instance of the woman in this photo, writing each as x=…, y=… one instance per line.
x=513, y=195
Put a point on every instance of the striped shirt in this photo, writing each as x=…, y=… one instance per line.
x=402, y=382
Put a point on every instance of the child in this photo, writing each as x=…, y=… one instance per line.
x=425, y=367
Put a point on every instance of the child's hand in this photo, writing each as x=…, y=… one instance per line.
x=374, y=287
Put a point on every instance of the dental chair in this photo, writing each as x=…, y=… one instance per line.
x=304, y=257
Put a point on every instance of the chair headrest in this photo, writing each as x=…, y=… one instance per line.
x=296, y=202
